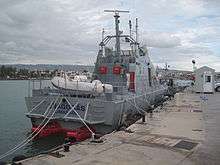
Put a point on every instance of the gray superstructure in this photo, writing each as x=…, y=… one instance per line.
x=132, y=76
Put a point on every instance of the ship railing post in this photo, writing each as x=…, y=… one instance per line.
x=77, y=88
x=40, y=83
x=29, y=87
x=87, y=108
x=52, y=103
x=33, y=84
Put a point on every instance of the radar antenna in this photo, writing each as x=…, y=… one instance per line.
x=117, y=32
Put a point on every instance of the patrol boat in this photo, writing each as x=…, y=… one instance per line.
x=124, y=83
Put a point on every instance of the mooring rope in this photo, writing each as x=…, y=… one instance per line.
x=141, y=111
x=38, y=105
x=32, y=136
x=73, y=108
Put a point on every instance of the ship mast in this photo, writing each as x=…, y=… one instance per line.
x=103, y=47
x=117, y=31
x=136, y=31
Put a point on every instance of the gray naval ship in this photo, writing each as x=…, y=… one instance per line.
x=124, y=83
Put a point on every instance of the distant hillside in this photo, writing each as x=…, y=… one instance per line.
x=52, y=67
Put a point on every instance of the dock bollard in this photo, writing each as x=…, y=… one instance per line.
x=143, y=118
x=66, y=145
x=151, y=113
x=93, y=136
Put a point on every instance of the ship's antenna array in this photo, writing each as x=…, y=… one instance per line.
x=103, y=47
x=130, y=28
x=103, y=33
x=136, y=29
x=130, y=33
x=117, y=31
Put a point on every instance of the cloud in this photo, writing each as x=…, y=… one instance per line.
x=180, y=57
x=161, y=40
x=68, y=31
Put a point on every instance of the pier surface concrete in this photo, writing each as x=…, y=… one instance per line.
x=185, y=131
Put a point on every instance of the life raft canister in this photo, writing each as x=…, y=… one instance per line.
x=103, y=70
x=117, y=69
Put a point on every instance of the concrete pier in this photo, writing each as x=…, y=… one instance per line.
x=185, y=131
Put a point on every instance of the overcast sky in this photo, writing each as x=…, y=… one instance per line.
x=68, y=31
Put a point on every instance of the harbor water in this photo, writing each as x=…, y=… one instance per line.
x=14, y=125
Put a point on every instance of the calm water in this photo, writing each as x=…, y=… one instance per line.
x=14, y=125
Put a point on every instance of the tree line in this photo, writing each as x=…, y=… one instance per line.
x=9, y=72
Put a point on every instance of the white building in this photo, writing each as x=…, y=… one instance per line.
x=204, y=80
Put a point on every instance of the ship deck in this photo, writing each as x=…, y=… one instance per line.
x=185, y=131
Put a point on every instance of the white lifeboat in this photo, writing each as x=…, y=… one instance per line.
x=80, y=84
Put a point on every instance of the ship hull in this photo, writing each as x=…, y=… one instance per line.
x=103, y=116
